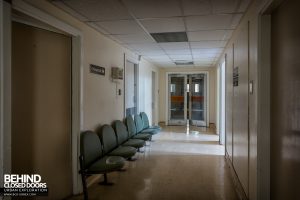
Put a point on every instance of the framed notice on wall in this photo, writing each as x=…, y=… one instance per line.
x=236, y=76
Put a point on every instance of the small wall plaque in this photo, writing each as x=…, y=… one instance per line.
x=236, y=76
x=95, y=69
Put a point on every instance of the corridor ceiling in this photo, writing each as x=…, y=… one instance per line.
x=208, y=25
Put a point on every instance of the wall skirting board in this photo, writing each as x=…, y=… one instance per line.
x=237, y=184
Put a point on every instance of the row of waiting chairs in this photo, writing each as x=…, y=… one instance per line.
x=107, y=150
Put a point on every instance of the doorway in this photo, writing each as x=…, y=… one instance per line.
x=41, y=107
x=187, y=99
x=153, y=103
x=222, y=103
x=130, y=94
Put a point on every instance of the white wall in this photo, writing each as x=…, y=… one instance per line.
x=241, y=107
x=163, y=93
x=101, y=104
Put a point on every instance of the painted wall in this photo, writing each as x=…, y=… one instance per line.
x=101, y=103
x=241, y=106
x=163, y=93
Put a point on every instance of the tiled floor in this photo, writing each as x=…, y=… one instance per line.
x=180, y=164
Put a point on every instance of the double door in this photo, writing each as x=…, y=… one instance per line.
x=187, y=99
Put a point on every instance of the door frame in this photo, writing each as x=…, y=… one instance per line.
x=167, y=93
x=264, y=99
x=135, y=61
x=5, y=89
x=153, y=103
x=221, y=128
x=77, y=83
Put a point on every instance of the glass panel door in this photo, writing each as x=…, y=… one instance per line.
x=197, y=99
x=177, y=99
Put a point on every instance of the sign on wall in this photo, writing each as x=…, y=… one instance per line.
x=95, y=69
x=236, y=76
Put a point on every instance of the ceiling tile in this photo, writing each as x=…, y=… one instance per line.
x=207, y=51
x=178, y=52
x=181, y=57
x=204, y=59
x=98, y=28
x=209, y=35
x=152, y=52
x=134, y=38
x=203, y=63
x=208, y=44
x=145, y=47
x=196, y=7
x=174, y=24
x=236, y=20
x=153, y=8
x=69, y=10
x=95, y=10
x=209, y=22
x=203, y=56
x=174, y=45
x=228, y=6
x=121, y=27
x=244, y=5
x=161, y=58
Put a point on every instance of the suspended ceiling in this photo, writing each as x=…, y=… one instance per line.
x=208, y=24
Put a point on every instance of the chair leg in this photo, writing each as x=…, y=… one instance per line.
x=132, y=159
x=85, y=193
x=105, y=182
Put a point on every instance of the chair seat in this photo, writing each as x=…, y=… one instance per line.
x=155, y=127
x=150, y=131
x=136, y=143
x=107, y=164
x=142, y=136
x=123, y=151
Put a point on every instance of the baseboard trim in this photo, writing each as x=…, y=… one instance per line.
x=237, y=184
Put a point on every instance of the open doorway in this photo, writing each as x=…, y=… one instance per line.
x=222, y=102
x=130, y=92
x=153, y=103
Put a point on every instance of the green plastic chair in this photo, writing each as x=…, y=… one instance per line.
x=123, y=136
x=110, y=144
x=140, y=126
x=93, y=161
x=132, y=130
x=146, y=124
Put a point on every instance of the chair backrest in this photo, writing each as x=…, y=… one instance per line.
x=121, y=131
x=130, y=126
x=90, y=148
x=145, y=120
x=108, y=138
x=138, y=123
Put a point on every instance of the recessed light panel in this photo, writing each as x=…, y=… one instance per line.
x=170, y=37
x=183, y=62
